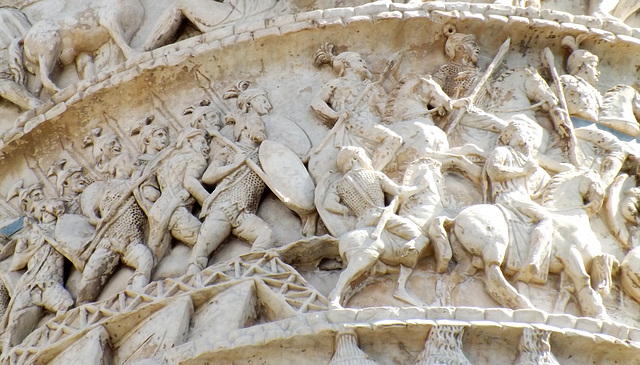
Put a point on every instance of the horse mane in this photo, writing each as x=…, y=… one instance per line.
x=551, y=189
x=389, y=107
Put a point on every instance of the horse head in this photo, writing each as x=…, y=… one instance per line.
x=593, y=191
x=432, y=94
x=580, y=188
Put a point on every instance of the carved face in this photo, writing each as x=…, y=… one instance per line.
x=518, y=136
x=260, y=104
x=199, y=144
x=47, y=211
x=158, y=140
x=589, y=71
x=353, y=62
x=76, y=183
x=469, y=51
x=111, y=146
x=351, y=158
x=207, y=120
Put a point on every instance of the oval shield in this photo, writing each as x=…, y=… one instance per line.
x=73, y=234
x=286, y=173
x=287, y=133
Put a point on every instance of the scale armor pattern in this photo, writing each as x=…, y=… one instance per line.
x=450, y=84
x=352, y=187
x=129, y=226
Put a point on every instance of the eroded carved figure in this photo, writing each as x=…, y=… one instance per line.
x=41, y=287
x=119, y=218
x=13, y=26
x=76, y=38
x=379, y=234
x=543, y=151
x=352, y=106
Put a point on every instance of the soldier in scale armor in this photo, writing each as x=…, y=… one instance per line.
x=232, y=206
x=361, y=192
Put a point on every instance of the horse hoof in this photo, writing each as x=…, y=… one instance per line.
x=408, y=298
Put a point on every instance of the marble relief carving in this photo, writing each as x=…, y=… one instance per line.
x=468, y=177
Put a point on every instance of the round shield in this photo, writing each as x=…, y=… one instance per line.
x=287, y=177
x=287, y=133
x=73, y=234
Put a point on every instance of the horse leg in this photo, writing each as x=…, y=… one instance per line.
x=590, y=301
x=463, y=269
x=18, y=95
x=500, y=289
x=401, y=290
x=111, y=24
x=564, y=294
x=47, y=63
x=85, y=67
x=358, y=262
x=166, y=28
x=440, y=241
x=602, y=268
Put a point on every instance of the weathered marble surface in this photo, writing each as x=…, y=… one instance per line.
x=319, y=182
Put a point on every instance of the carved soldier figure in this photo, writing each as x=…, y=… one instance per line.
x=583, y=104
x=459, y=75
x=42, y=285
x=361, y=192
x=353, y=105
x=154, y=138
x=457, y=78
x=232, y=206
x=204, y=116
x=515, y=178
x=70, y=182
x=26, y=196
x=180, y=186
x=120, y=220
x=107, y=151
x=13, y=26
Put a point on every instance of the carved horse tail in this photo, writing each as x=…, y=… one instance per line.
x=438, y=235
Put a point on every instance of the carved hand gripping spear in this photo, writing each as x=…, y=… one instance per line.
x=547, y=59
x=456, y=117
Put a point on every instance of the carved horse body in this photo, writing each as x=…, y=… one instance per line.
x=408, y=112
x=76, y=37
x=480, y=238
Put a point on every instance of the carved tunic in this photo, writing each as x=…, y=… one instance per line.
x=583, y=100
x=45, y=265
x=519, y=188
x=241, y=190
